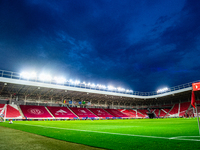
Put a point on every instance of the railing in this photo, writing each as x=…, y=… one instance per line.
x=15, y=75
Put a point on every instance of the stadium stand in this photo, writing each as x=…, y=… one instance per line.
x=83, y=112
x=12, y=112
x=192, y=112
x=164, y=105
x=198, y=109
x=133, y=111
x=100, y=112
x=128, y=113
x=61, y=112
x=116, y=113
x=138, y=114
x=183, y=108
x=156, y=112
x=151, y=110
x=163, y=112
x=143, y=112
x=35, y=112
x=174, y=111
x=40, y=112
x=1, y=108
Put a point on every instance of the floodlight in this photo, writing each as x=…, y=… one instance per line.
x=93, y=85
x=111, y=88
x=24, y=75
x=45, y=77
x=27, y=75
x=102, y=86
x=162, y=90
x=120, y=89
x=83, y=82
x=77, y=82
x=59, y=79
x=72, y=82
x=33, y=75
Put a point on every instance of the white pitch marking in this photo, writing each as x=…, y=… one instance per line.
x=173, y=138
x=189, y=136
x=146, y=136
x=182, y=138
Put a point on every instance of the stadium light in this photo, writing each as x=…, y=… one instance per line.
x=162, y=90
x=93, y=85
x=71, y=81
x=27, y=75
x=33, y=75
x=120, y=89
x=59, y=79
x=77, y=82
x=102, y=86
x=24, y=74
x=84, y=84
x=111, y=88
x=45, y=77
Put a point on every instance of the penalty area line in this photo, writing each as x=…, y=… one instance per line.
x=133, y=135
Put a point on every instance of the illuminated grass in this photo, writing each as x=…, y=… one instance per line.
x=119, y=134
x=11, y=139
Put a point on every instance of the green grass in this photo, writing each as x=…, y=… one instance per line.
x=11, y=139
x=119, y=134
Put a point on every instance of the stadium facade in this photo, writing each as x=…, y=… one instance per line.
x=20, y=91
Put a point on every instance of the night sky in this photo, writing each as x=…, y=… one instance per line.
x=142, y=45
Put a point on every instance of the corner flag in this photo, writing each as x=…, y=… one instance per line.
x=193, y=99
x=195, y=106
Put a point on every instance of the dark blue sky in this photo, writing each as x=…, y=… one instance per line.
x=139, y=45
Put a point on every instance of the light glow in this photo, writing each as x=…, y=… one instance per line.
x=27, y=75
x=77, y=82
x=120, y=89
x=111, y=88
x=162, y=90
x=45, y=77
x=102, y=86
x=59, y=79
x=93, y=85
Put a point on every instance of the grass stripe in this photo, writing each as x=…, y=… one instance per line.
x=145, y=136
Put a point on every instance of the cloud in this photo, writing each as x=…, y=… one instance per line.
x=116, y=42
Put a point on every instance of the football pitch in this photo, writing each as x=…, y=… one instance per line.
x=173, y=133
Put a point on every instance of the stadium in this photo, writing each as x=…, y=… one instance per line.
x=105, y=74
x=99, y=116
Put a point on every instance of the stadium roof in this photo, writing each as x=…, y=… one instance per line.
x=12, y=84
